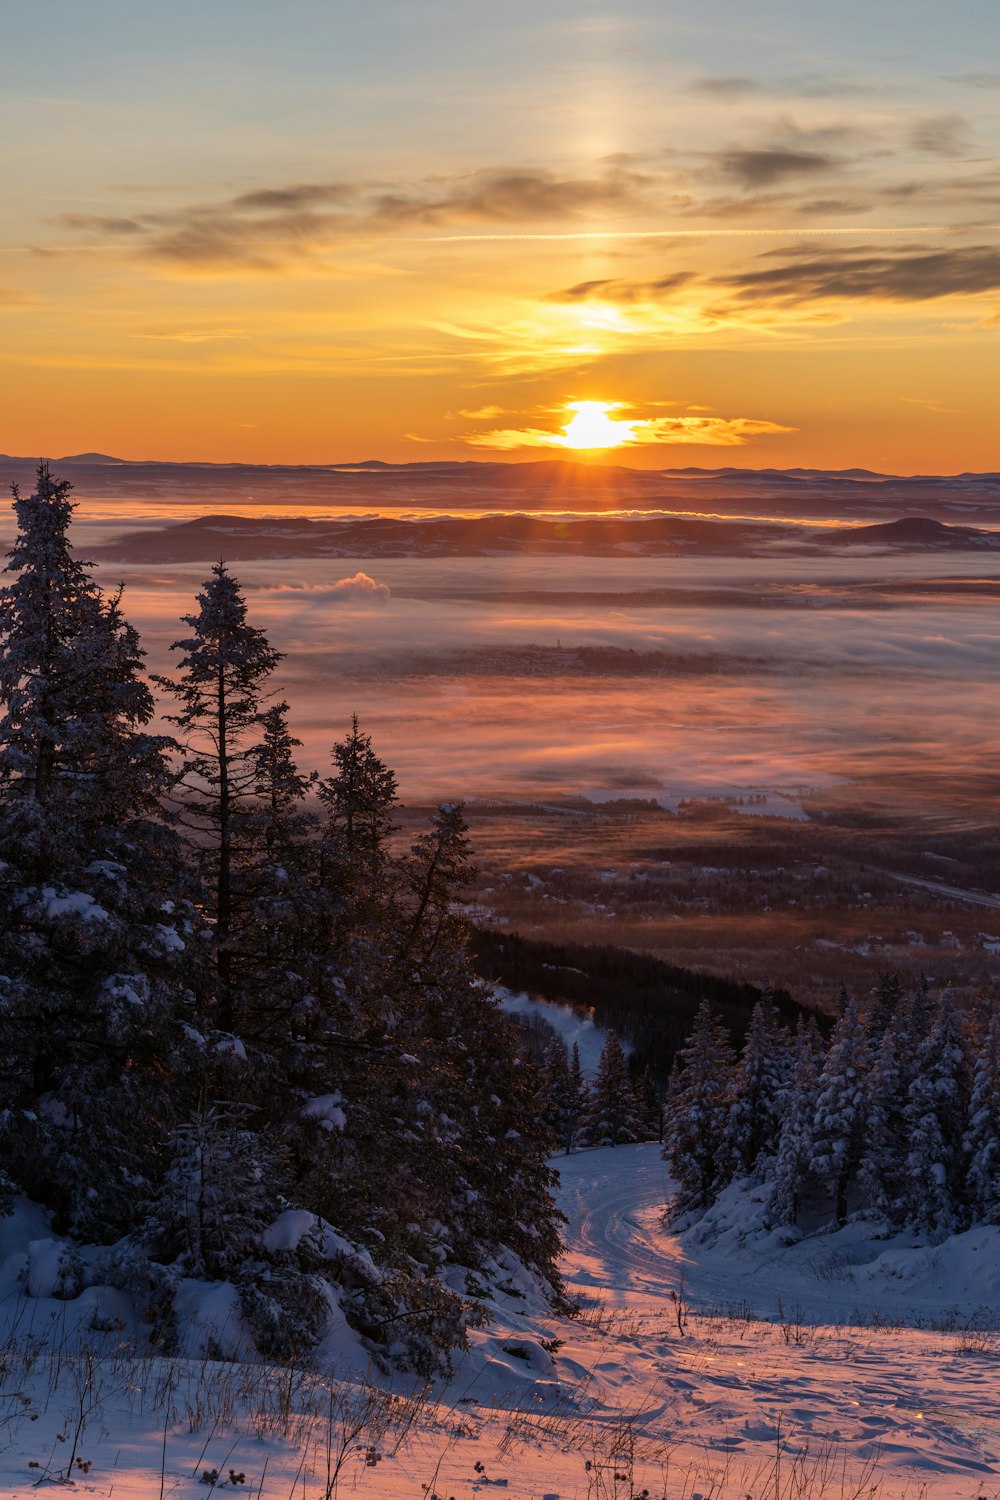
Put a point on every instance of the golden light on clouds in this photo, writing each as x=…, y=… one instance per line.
x=590, y=427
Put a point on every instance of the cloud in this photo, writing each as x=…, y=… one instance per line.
x=729, y=87
x=908, y=276
x=265, y=228
x=100, y=224
x=976, y=80
x=766, y=166
x=693, y=431
x=621, y=291
x=939, y=135
x=360, y=589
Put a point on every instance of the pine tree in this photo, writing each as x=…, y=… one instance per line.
x=611, y=1114
x=936, y=1117
x=96, y=934
x=648, y=1107
x=789, y=1170
x=437, y=871
x=839, y=1120
x=758, y=1094
x=697, y=1103
x=576, y=1100
x=359, y=797
x=223, y=672
x=886, y=1000
x=882, y=1169
x=982, y=1137
x=221, y=1187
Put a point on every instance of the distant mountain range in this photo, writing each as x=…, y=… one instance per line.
x=543, y=485
x=240, y=538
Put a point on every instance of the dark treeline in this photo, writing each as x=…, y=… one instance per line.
x=240, y=1038
x=650, y=1005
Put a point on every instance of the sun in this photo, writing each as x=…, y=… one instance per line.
x=592, y=426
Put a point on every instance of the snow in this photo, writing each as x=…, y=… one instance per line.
x=72, y=904
x=169, y=939
x=719, y=1361
x=327, y=1110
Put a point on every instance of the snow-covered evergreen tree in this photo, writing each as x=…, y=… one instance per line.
x=882, y=1169
x=222, y=1185
x=839, y=1120
x=883, y=1012
x=95, y=931
x=611, y=1114
x=222, y=675
x=648, y=1106
x=792, y=1161
x=757, y=1099
x=936, y=1117
x=697, y=1110
x=982, y=1137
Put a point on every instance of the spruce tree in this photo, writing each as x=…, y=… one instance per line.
x=882, y=1169
x=936, y=1117
x=223, y=673
x=697, y=1107
x=648, y=1107
x=611, y=1114
x=790, y=1167
x=758, y=1094
x=982, y=1136
x=839, y=1119
x=98, y=942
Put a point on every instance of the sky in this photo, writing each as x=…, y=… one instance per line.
x=667, y=232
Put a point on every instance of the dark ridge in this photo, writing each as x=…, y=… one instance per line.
x=913, y=531
x=649, y=1003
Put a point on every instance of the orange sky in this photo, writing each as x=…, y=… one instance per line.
x=769, y=236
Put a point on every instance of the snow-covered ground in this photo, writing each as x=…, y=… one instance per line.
x=714, y=1364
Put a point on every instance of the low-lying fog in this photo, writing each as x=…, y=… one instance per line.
x=785, y=673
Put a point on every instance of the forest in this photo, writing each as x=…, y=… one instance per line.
x=240, y=1039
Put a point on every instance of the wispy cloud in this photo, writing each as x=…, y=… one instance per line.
x=266, y=228
x=763, y=168
x=690, y=431
x=909, y=276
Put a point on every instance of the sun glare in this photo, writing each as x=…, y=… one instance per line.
x=592, y=426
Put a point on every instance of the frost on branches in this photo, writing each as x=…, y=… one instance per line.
x=240, y=1040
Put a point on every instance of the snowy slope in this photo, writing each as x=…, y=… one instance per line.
x=700, y=1366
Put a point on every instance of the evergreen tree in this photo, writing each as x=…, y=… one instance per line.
x=359, y=798
x=611, y=1114
x=982, y=1137
x=437, y=871
x=789, y=1170
x=223, y=673
x=882, y=1170
x=886, y=1000
x=648, y=1107
x=936, y=1117
x=95, y=936
x=221, y=1187
x=758, y=1094
x=697, y=1109
x=839, y=1119
x=576, y=1100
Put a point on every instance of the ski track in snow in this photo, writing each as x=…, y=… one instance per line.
x=679, y=1375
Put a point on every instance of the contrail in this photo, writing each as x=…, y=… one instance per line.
x=677, y=234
